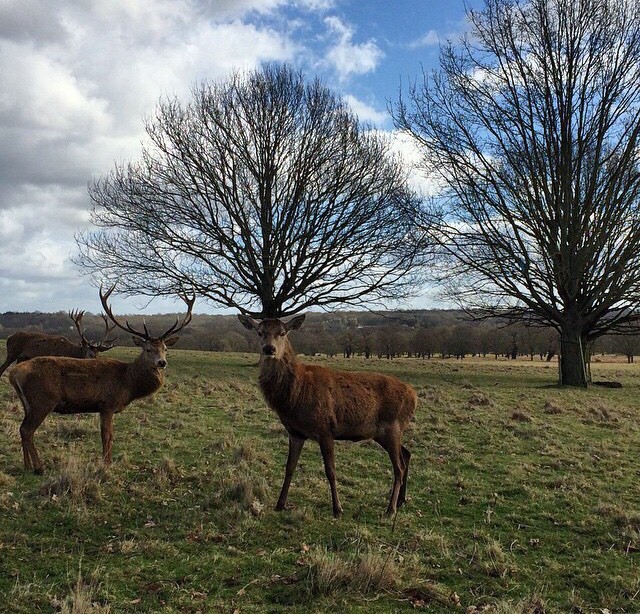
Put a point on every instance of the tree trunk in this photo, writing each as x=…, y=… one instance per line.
x=573, y=363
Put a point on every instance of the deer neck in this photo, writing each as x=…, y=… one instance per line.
x=78, y=352
x=143, y=378
x=278, y=377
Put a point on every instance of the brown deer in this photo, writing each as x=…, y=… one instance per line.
x=325, y=405
x=25, y=345
x=105, y=386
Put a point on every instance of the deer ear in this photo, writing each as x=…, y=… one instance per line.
x=170, y=341
x=248, y=322
x=295, y=323
x=138, y=341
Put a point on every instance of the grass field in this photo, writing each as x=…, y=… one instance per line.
x=523, y=497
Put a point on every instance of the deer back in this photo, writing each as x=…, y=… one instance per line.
x=85, y=385
x=25, y=345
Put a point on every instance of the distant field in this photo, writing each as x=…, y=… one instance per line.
x=522, y=496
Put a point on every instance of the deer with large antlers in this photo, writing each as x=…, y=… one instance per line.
x=105, y=386
x=314, y=402
x=25, y=345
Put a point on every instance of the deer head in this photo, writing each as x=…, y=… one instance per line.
x=273, y=333
x=154, y=349
x=92, y=348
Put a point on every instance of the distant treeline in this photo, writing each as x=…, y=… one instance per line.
x=415, y=333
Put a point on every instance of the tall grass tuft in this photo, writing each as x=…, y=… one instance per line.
x=82, y=599
x=366, y=574
x=76, y=479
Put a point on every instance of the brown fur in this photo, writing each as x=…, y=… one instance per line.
x=322, y=404
x=71, y=386
x=25, y=345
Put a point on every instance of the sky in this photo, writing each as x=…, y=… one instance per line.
x=78, y=77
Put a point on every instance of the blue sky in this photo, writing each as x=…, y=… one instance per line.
x=77, y=79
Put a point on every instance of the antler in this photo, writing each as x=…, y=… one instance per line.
x=187, y=318
x=107, y=342
x=126, y=327
x=175, y=328
x=107, y=329
x=76, y=316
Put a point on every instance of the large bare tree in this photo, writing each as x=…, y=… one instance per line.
x=531, y=125
x=263, y=193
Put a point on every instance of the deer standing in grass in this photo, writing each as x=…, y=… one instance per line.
x=25, y=345
x=325, y=405
x=105, y=386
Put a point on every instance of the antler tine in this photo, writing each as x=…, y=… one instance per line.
x=126, y=327
x=76, y=316
x=187, y=318
x=107, y=330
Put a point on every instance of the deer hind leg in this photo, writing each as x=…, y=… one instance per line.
x=32, y=420
x=106, y=432
x=390, y=441
x=295, y=447
x=406, y=457
x=327, y=447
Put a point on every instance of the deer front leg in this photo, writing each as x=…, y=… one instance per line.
x=106, y=431
x=295, y=447
x=327, y=447
x=29, y=452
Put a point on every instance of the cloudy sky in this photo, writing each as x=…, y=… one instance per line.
x=77, y=78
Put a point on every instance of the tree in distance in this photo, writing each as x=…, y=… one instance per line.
x=264, y=193
x=531, y=124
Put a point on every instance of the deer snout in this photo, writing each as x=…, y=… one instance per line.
x=269, y=350
x=161, y=364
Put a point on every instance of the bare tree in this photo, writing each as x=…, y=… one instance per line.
x=264, y=193
x=532, y=126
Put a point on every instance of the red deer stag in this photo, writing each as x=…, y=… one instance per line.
x=105, y=386
x=325, y=405
x=25, y=345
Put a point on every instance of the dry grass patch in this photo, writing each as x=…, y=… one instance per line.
x=75, y=478
x=521, y=416
x=83, y=598
x=489, y=556
x=551, y=408
x=167, y=472
x=248, y=491
x=531, y=605
x=6, y=480
x=480, y=399
x=367, y=573
x=627, y=523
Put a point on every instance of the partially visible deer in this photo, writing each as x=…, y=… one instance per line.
x=105, y=386
x=314, y=402
x=25, y=345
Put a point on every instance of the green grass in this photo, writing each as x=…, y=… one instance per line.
x=523, y=497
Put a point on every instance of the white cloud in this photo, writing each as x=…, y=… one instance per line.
x=429, y=39
x=76, y=80
x=346, y=57
x=366, y=112
x=77, y=77
x=412, y=155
